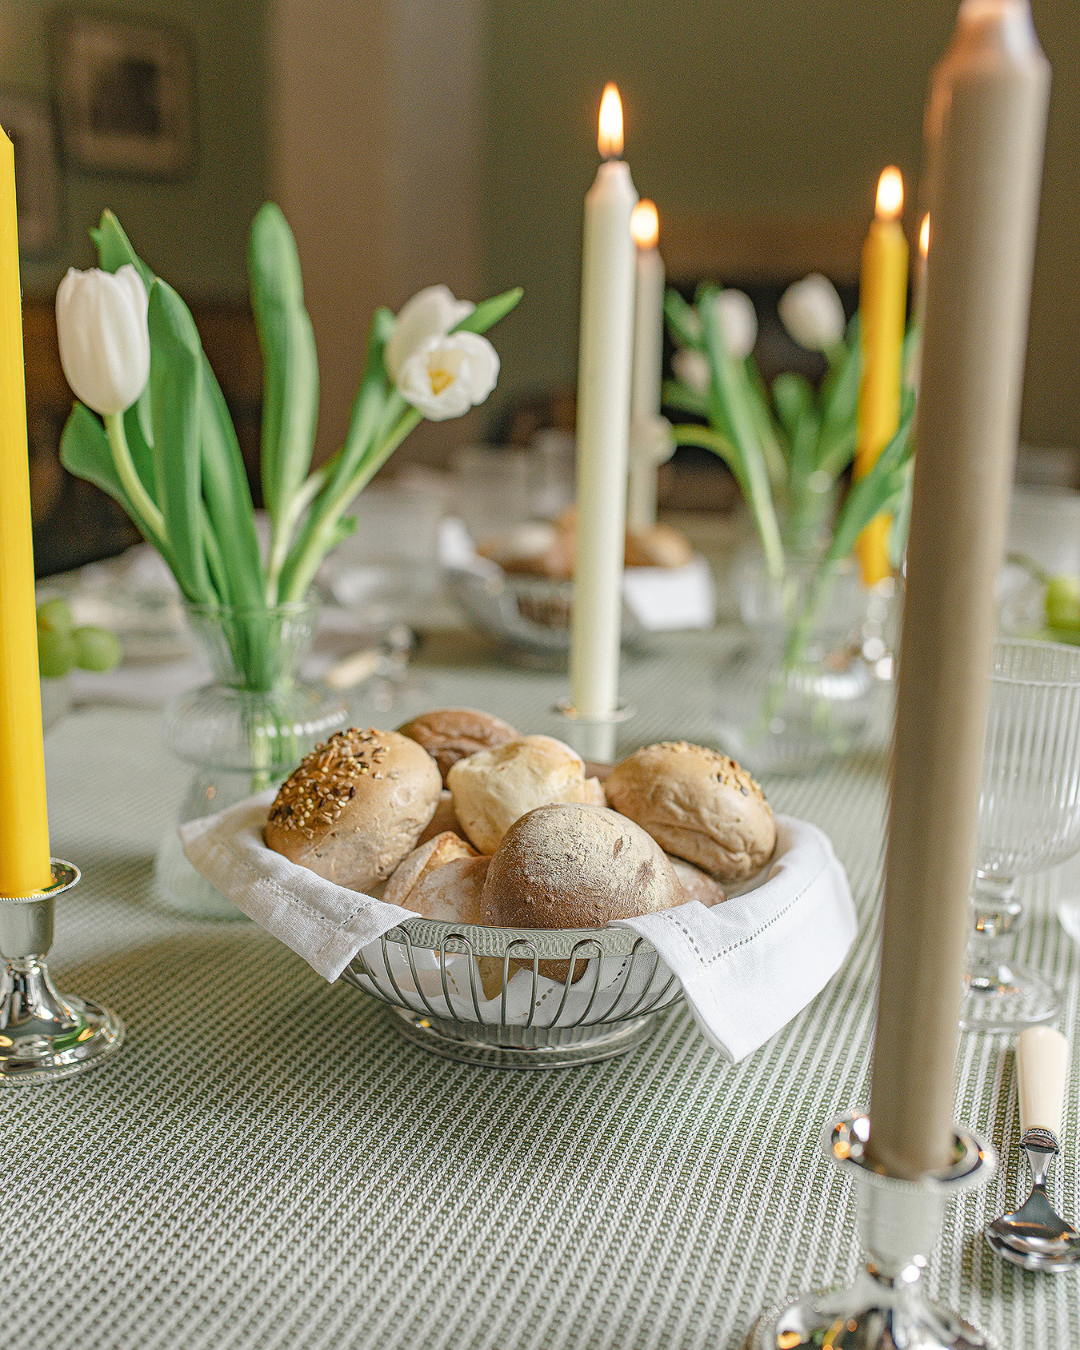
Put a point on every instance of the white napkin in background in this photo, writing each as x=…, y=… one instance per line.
x=747, y=966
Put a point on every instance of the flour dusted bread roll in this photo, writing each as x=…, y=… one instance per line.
x=494, y=788
x=568, y=865
x=697, y=804
x=450, y=734
x=355, y=806
x=444, y=848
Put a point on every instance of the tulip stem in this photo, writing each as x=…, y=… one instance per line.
x=284, y=526
x=129, y=478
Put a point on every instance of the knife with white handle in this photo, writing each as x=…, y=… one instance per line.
x=1042, y=1059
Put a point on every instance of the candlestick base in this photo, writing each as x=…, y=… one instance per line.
x=898, y=1224
x=45, y=1035
x=593, y=737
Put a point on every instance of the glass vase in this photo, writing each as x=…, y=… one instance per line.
x=799, y=691
x=245, y=731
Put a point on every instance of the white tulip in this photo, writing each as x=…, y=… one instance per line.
x=431, y=312
x=104, y=337
x=812, y=313
x=738, y=322
x=445, y=376
x=692, y=367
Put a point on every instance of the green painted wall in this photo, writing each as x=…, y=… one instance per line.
x=771, y=108
x=194, y=230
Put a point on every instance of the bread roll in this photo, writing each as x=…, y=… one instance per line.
x=444, y=848
x=443, y=821
x=494, y=788
x=535, y=548
x=451, y=892
x=658, y=546
x=450, y=734
x=355, y=806
x=699, y=805
x=697, y=885
x=576, y=866
x=594, y=793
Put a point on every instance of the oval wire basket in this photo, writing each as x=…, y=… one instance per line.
x=567, y=996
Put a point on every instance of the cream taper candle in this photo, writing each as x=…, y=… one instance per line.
x=648, y=360
x=603, y=414
x=994, y=84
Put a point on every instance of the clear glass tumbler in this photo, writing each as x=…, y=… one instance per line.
x=1029, y=820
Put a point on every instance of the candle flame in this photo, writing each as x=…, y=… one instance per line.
x=890, y=194
x=645, y=224
x=924, y=236
x=610, y=138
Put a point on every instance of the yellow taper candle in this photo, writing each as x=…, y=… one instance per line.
x=24, y=825
x=882, y=309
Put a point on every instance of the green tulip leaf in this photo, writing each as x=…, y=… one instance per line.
x=488, y=312
x=290, y=365
x=176, y=392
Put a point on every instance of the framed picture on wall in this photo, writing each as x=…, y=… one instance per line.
x=126, y=95
x=29, y=123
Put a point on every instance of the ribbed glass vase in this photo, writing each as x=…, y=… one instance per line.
x=243, y=732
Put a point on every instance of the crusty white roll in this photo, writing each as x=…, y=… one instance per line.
x=451, y=892
x=699, y=805
x=450, y=734
x=444, y=848
x=594, y=793
x=355, y=806
x=494, y=788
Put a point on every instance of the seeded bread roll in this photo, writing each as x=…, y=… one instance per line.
x=450, y=734
x=697, y=804
x=444, y=848
x=568, y=865
x=494, y=788
x=355, y=806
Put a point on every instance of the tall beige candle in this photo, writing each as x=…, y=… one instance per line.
x=994, y=85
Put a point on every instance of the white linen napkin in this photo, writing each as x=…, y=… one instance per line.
x=747, y=966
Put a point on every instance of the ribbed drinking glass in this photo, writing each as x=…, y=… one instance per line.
x=1029, y=820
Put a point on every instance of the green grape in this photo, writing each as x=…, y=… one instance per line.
x=1063, y=603
x=55, y=615
x=56, y=653
x=96, y=649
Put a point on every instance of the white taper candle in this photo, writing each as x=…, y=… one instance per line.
x=603, y=415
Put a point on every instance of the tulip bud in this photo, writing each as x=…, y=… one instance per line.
x=812, y=313
x=104, y=337
x=738, y=321
x=692, y=367
x=431, y=312
x=446, y=376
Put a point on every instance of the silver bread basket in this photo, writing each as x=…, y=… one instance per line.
x=560, y=997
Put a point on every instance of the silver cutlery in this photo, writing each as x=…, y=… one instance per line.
x=1036, y=1237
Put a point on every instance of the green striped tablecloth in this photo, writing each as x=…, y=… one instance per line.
x=268, y=1164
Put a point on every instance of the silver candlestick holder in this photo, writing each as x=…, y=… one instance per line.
x=899, y=1221
x=45, y=1035
x=592, y=737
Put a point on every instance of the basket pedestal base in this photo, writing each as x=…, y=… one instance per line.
x=504, y=1047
